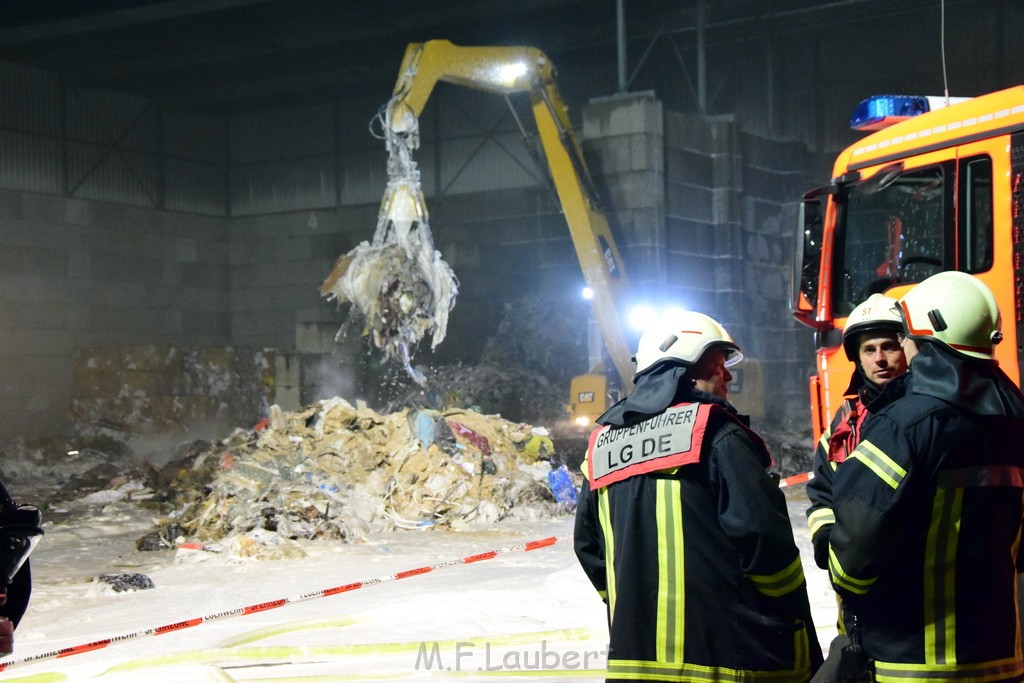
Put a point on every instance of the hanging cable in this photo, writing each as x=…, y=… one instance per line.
x=942, y=30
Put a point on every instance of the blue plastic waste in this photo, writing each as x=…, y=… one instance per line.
x=562, y=487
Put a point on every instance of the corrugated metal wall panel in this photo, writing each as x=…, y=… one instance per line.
x=363, y=176
x=477, y=165
x=112, y=175
x=112, y=118
x=30, y=101
x=282, y=186
x=288, y=134
x=195, y=187
x=353, y=119
x=456, y=111
x=30, y=162
x=195, y=136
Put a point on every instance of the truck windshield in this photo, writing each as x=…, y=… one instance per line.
x=890, y=230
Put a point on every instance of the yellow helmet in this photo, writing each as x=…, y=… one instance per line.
x=955, y=309
x=684, y=337
x=877, y=312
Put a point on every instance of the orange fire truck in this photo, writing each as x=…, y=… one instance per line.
x=938, y=185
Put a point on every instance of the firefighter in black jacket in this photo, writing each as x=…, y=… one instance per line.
x=869, y=340
x=20, y=531
x=927, y=542
x=684, y=533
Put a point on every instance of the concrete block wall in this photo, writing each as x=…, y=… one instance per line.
x=502, y=246
x=730, y=220
x=77, y=273
x=127, y=392
x=775, y=174
x=277, y=263
x=624, y=140
x=701, y=222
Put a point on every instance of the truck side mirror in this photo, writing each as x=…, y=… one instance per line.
x=807, y=261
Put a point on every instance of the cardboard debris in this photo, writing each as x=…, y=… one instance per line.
x=149, y=390
x=333, y=471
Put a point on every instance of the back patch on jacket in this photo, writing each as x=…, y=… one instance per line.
x=669, y=439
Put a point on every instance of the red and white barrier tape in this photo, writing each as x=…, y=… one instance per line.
x=796, y=479
x=264, y=606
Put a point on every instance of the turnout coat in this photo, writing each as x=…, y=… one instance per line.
x=929, y=513
x=694, y=556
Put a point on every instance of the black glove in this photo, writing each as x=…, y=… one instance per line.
x=19, y=534
x=820, y=543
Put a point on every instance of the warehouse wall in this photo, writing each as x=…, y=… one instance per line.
x=686, y=196
x=123, y=224
x=77, y=273
x=706, y=215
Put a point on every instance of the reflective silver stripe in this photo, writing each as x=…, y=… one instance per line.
x=940, y=577
x=823, y=441
x=604, y=517
x=1011, y=668
x=781, y=582
x=820, y=518
x=671, y=592
x=640, y=670
x=990, y=475
x=844, y=580
x=878, y=462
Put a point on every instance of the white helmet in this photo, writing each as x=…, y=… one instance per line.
x=877, y=312
x=684, y=337
x=955, y=309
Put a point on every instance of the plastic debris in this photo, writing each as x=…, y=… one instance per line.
x=563, y=487
x=124, y=583
x=336, y=472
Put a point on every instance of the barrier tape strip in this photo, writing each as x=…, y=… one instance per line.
x=796, y=479
x=273, y=604
x=326, y=592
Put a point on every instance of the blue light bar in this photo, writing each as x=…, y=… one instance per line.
x=881, y=111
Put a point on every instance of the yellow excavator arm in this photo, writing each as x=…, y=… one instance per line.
x=505, y=70
x=400, y=284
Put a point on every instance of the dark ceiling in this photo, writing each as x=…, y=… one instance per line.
x=232, y=56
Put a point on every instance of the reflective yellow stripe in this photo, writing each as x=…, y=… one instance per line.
x=681, y=672
x=844, y=580
x=782, y=582
x=820, y=518
x=879, y=463
x=940, y=577
x=1016, y=589
x=671, y=592
x=604, y=516
x=1011, y=668
x=823, y=441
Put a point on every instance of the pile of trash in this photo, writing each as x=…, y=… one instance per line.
x=335, y=471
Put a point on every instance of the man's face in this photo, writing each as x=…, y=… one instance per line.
x=881, y=357
x=710, y=373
